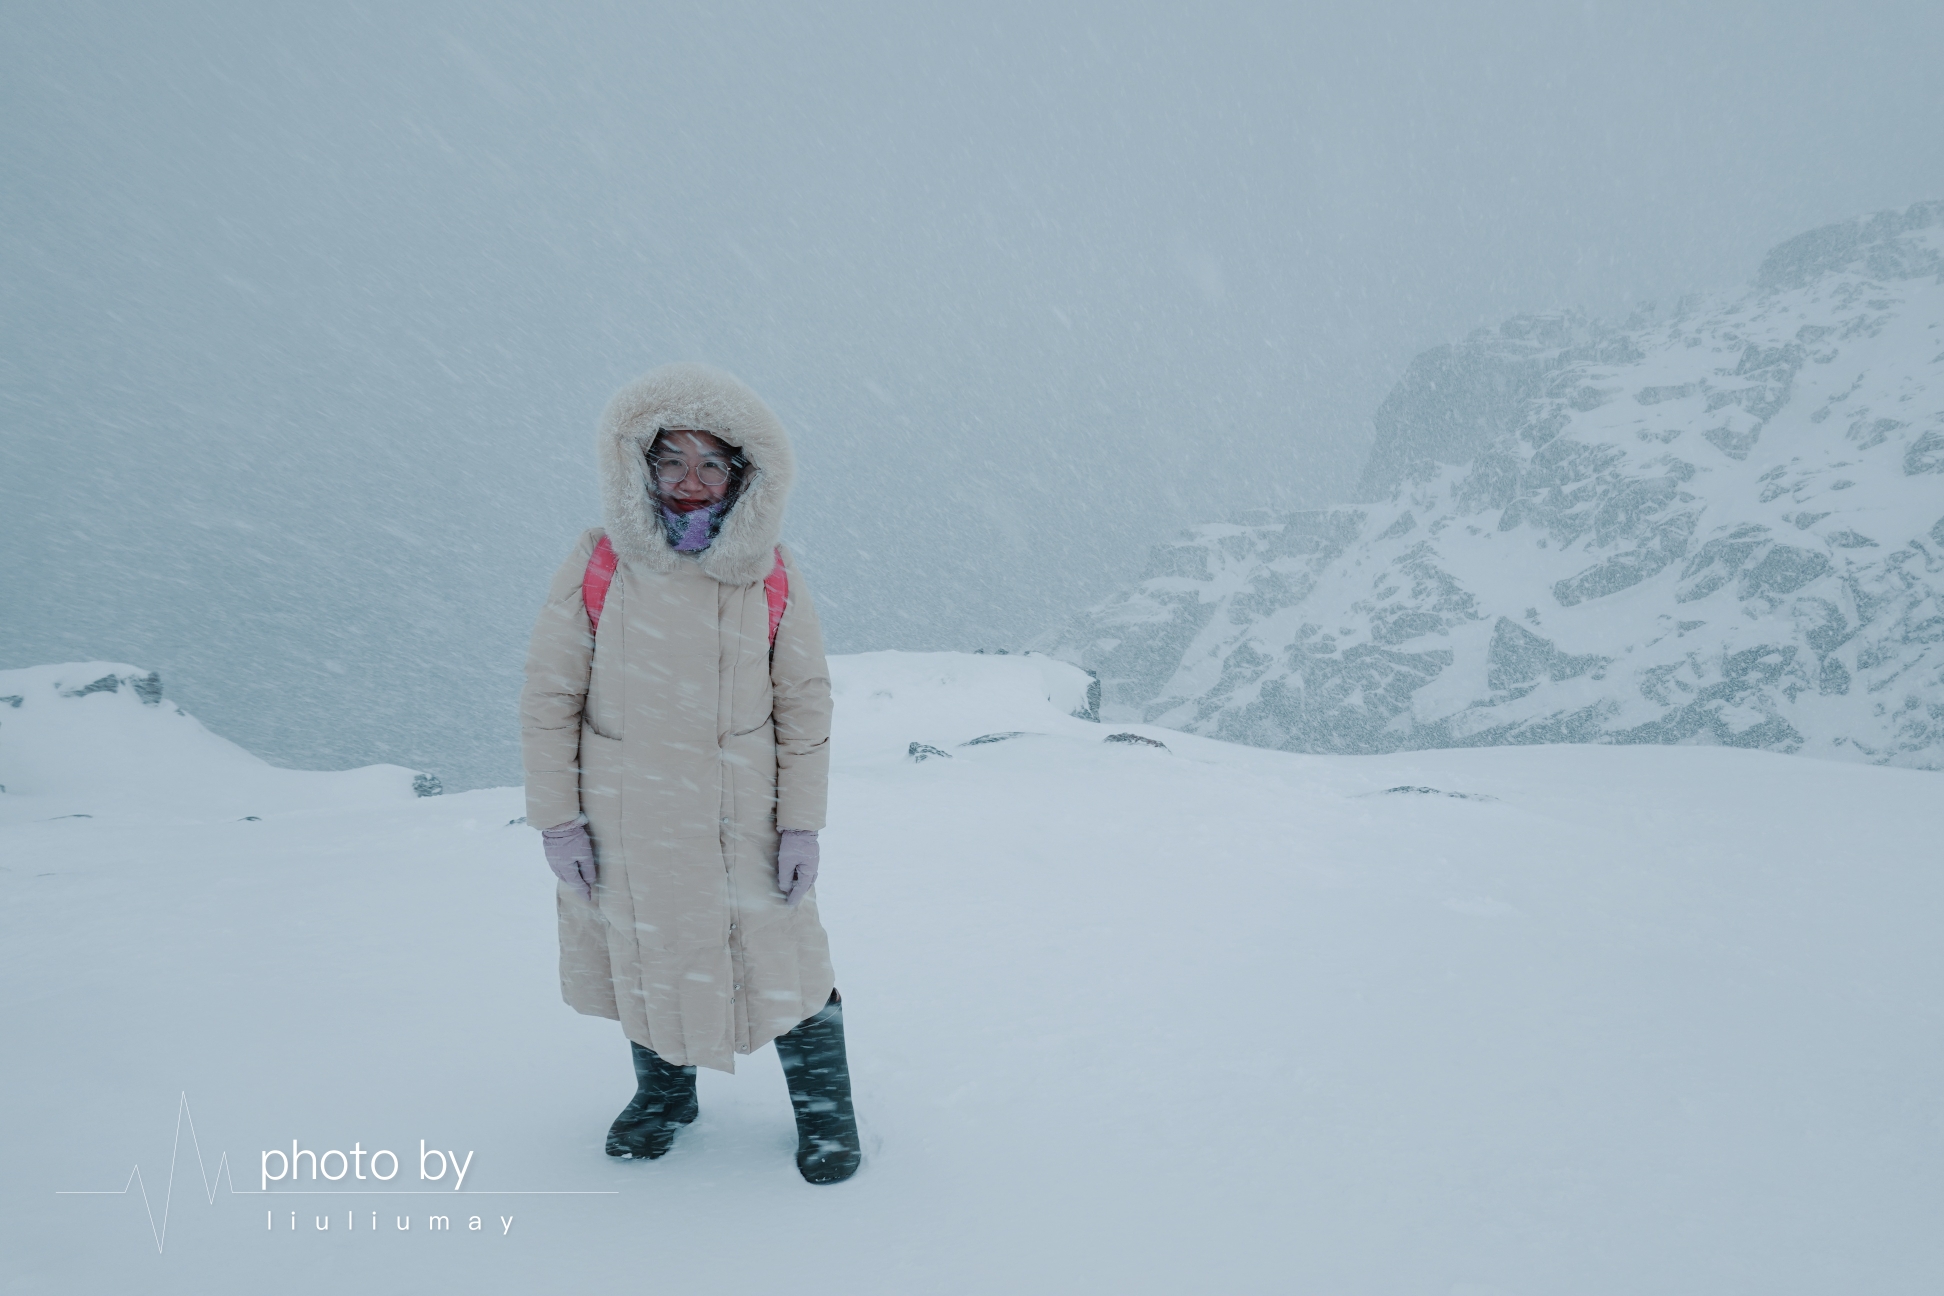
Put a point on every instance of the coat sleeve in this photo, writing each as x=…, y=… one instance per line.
x=560, y=657
x=800, y=687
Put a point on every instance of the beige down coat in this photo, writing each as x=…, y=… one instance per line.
x=687, y=742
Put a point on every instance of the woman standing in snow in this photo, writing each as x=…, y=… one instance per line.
x=675, y=728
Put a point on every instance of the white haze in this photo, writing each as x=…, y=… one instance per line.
x=309, y=311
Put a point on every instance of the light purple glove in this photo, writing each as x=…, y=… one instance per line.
x=570, y=854
x=796, y=863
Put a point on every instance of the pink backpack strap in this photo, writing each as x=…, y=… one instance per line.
x=600, y=575
x=776, y=588
x=597, y=578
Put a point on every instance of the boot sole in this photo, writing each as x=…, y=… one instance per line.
x=621, y=1150
x=626, y=1153
x=830, y=1174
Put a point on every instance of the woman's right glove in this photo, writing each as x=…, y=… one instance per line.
x=570, y=854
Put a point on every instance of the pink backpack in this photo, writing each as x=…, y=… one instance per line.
x=600, y=575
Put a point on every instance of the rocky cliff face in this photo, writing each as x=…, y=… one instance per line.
x=1725, y=526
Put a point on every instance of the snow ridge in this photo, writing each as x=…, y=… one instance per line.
x=1721, y=526
x=88, y=739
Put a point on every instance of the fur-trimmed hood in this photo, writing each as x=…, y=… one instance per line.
x=689, y=395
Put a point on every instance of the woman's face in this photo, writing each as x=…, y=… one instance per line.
x=692, y=467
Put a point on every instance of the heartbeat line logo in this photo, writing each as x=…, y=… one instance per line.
x=161, y=1233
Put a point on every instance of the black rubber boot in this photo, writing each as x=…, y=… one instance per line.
x=664, y=1098
x=815, y=1068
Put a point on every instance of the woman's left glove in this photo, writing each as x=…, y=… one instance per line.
x=570, y=854
x=796, y=863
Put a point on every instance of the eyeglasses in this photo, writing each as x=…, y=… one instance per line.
x=672, y=470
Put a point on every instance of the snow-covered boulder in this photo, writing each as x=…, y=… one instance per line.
x=1724, y=525
x=95, y=738
x=886, y=701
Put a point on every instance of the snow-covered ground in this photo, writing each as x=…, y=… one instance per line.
x=1208, y=1018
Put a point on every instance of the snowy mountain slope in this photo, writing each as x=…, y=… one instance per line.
x=1208, y=1018
x=1725, y=526
x=101, y=735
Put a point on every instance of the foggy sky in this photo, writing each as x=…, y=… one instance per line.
x=310, y=309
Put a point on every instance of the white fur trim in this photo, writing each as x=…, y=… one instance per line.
x=689, y=395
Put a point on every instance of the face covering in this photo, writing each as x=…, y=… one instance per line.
x=690, y=532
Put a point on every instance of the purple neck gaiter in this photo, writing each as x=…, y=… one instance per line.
x=689, y=532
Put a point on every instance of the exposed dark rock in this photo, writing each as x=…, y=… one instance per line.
x=1315, y=533
x=1782, y=570
x=1518, y=656
x=1091, y=711
x=1926, y=455
x=1732, y=442
x=1870, y=436
x=1333, y=701
x=1720, y=560
x=1455, y=401
x=1668, y=543
x=1822, y=623
x=1405, y=626
x=1403, y=526
x=994, y=738
x=1764, y=664
x=1869, y=242
x=1190, y=562
x=1655, y=395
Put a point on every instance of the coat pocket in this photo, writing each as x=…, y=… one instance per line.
x=602, y=767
